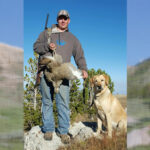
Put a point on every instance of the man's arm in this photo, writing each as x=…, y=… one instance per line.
x=78, y=55
x=41, y=45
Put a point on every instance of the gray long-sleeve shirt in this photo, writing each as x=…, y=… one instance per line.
x=67, y=45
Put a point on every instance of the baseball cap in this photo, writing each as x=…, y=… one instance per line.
x=63, y=13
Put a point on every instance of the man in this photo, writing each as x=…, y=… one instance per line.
x=66, y=45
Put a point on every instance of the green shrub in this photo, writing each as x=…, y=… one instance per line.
x=31, y=117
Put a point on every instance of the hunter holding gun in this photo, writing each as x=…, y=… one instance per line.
x=66, y=44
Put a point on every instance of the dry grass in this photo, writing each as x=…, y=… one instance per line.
x=85, y=118
x=116, y=143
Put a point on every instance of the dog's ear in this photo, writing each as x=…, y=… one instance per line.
x=106, y=78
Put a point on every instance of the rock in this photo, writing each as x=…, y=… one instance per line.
x=84, y=134
x=138, y=137
x=75, y=128
x=80, y=132
x=33, y=140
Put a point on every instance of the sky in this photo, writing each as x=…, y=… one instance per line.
x=11, y=22
x=100, y=26
x=110, y=42
x=138, y=31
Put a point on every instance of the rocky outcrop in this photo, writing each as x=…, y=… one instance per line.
x=33, y=140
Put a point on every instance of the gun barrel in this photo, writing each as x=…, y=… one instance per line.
x=46, y=21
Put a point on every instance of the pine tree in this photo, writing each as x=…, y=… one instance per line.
x=30, y=94
x=32, y=97
x=74, y=97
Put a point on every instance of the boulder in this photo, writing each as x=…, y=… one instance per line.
x=33, y=140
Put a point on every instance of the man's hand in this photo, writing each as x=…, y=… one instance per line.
x=85, y=74
x=52, y=46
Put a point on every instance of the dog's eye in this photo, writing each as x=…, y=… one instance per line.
x=102, y=80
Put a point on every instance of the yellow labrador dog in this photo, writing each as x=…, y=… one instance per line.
x=110, y=112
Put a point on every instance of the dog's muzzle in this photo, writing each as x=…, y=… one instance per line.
x=99, y=88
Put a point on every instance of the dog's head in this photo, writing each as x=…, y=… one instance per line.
x=99, y=82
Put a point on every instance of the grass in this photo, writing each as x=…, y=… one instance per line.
x=140, y=148
x=138, y=126
x=139, y=109
x=138, y=77
x=11, y=119
x=116, y=143
x=11, y=145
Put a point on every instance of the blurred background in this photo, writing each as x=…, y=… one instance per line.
x=11, y=71
x=138, y=74
x=11, y=75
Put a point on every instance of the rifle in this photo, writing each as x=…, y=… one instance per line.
x=39, y=69
x=46, y=21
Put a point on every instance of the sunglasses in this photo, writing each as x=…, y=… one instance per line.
x=62, y=17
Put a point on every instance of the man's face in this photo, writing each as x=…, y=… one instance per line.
x=63, y=22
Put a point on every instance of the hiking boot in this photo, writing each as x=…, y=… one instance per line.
x=48, y=136
x=65, y=138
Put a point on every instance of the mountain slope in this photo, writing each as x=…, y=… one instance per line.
x=11, y=97
x=139, y=79
x=11, y=74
